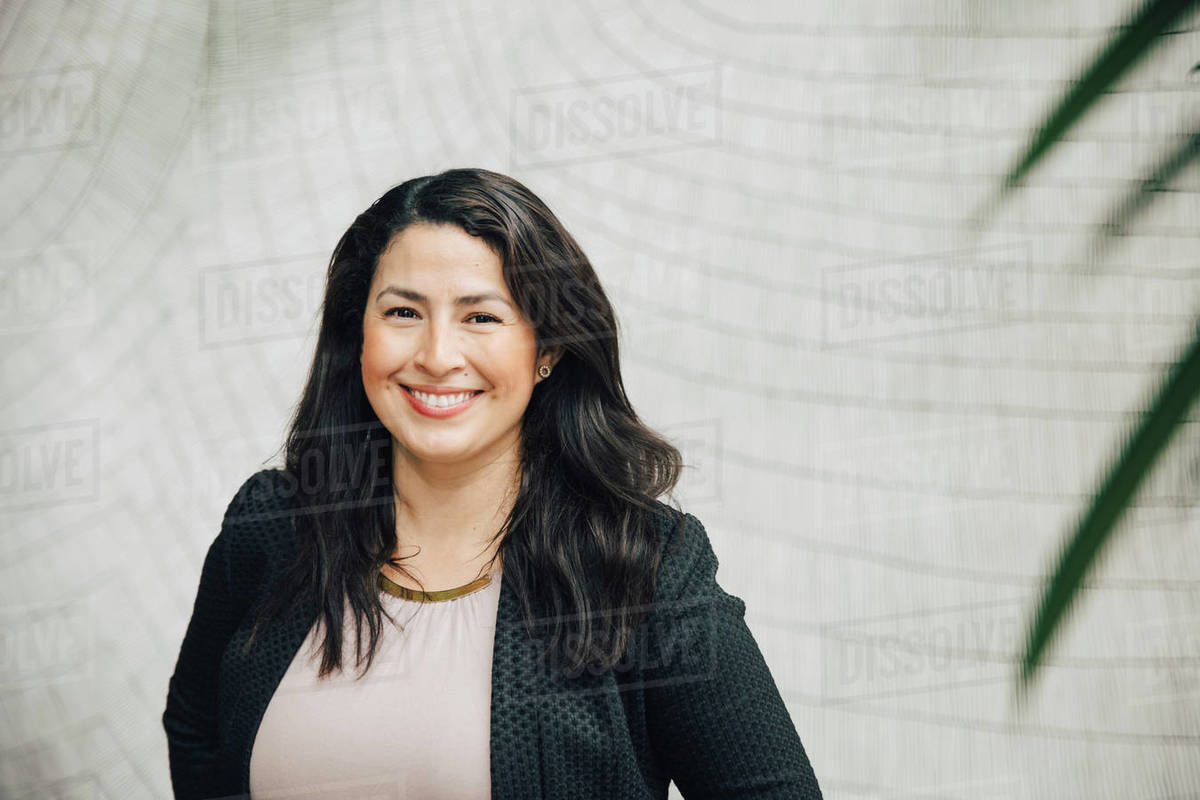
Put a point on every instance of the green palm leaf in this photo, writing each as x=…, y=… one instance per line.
x=1126, y=48
x=1182, y=383
x=1179, y=391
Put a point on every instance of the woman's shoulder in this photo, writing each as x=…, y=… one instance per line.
x=687, y=553
x=258, y=519
x=271, y=483
x=263, y=497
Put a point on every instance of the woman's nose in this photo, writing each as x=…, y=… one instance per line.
x=439, y=350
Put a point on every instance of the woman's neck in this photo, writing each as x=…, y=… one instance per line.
x=446, y=521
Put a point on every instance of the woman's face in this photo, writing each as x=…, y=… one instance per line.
x=440, y=318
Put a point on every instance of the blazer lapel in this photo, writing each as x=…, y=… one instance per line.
x=263, y=669
x=516, y=747
x=553, y=735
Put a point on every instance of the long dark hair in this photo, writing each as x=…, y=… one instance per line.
x=578, y=544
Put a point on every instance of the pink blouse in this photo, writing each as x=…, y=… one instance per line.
x=416, y=726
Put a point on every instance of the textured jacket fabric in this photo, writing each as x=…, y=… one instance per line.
x=693, y=701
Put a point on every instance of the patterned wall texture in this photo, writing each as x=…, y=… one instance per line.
x=890, y=422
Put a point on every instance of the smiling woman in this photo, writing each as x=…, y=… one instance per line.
x=465, y=462
x=443, y=339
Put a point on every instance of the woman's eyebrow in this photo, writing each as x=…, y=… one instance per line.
x=465, y=300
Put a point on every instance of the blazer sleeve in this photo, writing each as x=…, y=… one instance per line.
x=716, y=719
x=190, y=718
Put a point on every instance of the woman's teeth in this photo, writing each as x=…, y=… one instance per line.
x=442, y=400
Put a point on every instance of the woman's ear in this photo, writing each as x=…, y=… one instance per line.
x=555, y=353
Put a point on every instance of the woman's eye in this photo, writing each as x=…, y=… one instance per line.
x=394, y=312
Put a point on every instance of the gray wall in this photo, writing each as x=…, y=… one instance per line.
x=884, y=484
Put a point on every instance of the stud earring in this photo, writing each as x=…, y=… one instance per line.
x=544, y=371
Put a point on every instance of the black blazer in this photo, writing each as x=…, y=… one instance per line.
x=693, y=702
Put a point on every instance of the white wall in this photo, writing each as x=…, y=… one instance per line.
x=884, y=490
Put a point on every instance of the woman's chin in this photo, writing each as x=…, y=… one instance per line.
x=443, y=453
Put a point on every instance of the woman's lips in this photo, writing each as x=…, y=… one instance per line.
x=436, y=411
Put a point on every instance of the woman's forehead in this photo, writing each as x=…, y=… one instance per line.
x=448, y=245
x=442, y=257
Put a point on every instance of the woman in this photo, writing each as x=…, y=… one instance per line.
x=464, y=463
